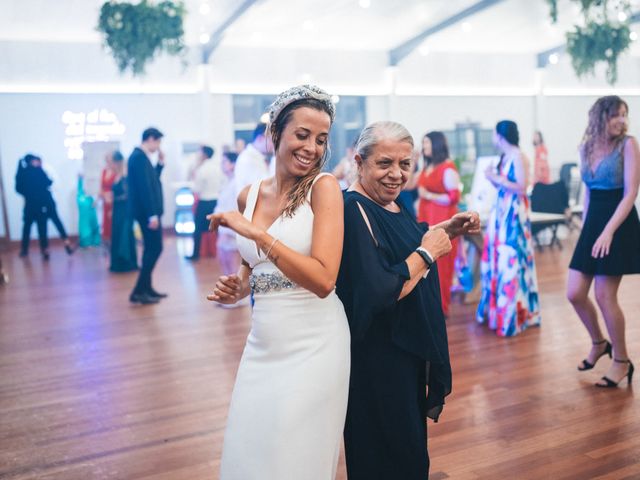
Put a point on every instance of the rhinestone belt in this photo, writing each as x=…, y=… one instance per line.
x=269, y=282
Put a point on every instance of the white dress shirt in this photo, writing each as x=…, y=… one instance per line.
x=207, y=180
x=251, y=166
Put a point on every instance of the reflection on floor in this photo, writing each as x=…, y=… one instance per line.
x=94, y=388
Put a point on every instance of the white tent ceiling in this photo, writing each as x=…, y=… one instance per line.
x=514, y=26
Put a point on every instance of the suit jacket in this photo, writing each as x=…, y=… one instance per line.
x=145, y=189
x=33, y=183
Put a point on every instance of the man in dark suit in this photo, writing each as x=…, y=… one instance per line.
x=145, y=195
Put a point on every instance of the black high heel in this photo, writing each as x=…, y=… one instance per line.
x=610, y=383
x=586, y=365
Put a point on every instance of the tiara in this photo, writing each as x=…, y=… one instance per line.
x=298, y=93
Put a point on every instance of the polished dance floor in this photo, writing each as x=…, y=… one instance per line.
x=94, y=388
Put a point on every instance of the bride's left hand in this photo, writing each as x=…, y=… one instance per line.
x=236, y=222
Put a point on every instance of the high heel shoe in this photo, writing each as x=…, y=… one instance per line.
x=586, y=365
x=610, y=383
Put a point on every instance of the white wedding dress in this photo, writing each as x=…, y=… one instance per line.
x=289, y=401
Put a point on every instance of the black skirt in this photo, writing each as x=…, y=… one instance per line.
x=624, y=254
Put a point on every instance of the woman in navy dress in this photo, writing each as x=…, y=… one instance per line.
x=392, y=301
x=609, y=244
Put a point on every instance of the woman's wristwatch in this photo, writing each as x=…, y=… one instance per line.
x=426, y=256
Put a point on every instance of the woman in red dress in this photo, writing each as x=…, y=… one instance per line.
x=107, y=179
x=439, y=193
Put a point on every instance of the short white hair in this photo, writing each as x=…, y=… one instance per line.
x=376, y=131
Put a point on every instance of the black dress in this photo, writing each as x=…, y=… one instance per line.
x=606, y=189
x=398, y=347
x=123, y=243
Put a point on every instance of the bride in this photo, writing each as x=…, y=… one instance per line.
x=289, y=402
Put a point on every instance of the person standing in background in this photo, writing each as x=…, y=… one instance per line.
x=346, y=171
x=88, y=227
x=252, y=164
x=107, y=179
x=409, y=195
x=439, y=192
x=239, y=145
x=509, y=300
x=145, y=197
x=540, y=160
x=609, y=243
x=33, y=183
x=227, y=247
x=207, y=180
x=123, y=242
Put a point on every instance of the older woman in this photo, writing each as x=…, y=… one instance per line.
x=392, y=301
x=288, y=406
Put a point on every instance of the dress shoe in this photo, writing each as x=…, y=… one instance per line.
x=586, y=365
x=153, y=294
x=45, y=255
x=69, y=249
x=192, y=258
x=142, y=298
x=24, y=253
x=608, y=383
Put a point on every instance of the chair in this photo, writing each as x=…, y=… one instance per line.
x=570, y=175
x=549, y=207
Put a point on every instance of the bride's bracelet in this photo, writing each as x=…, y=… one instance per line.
x=270, y=247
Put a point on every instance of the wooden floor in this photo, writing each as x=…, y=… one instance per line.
x=93, y=388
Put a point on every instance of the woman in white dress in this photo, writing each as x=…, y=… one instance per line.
x=289, y=402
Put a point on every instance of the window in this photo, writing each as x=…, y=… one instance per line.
x=349, y=121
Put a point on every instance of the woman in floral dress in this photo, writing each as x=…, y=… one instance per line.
x=509, y=300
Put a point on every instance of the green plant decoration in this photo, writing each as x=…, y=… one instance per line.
x=553, y=10
x=136, y=34
x=599, y=40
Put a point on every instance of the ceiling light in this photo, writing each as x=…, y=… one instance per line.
x=307, y=25
x=622, y=16
x=424, y=50
x=466, y=27
x=205, y=9
x=204, y=38
x=364, y=3
x=633, y=36
x=554, y=58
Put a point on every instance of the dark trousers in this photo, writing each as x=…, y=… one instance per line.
x=39, y=216
x=152, y=240
x=52, y=212
x=204, y=208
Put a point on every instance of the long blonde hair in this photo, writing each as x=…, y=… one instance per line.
x=298, y=193
x=596, y=131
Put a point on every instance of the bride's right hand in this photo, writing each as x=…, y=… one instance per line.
x=236, y=222
x=228, y=290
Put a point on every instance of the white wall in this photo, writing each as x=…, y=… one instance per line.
x=32, y=123
x=433, y=92
x=564, y=119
